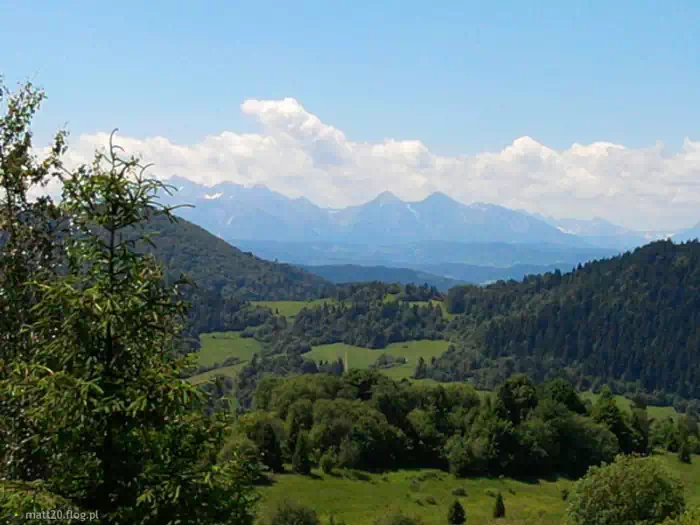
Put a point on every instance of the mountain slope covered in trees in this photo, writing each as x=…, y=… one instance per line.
x=225, y=278
x=633, y=319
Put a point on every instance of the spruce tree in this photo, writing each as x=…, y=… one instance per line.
x=301, y=462
x=456, y=514
x=270, y=447
x=499, y=507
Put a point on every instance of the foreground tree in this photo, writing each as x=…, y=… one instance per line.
x=456, y=514
x=629, y=491
x=26, y=250
x=499, y=507
x=94, y=376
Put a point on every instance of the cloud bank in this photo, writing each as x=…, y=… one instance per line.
x=297, y=154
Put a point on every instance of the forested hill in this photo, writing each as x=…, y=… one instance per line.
x=630, y=319
x=216, y=266
x=354, y=273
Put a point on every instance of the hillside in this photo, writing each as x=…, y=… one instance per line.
x=633, y=319
x=214, y=265
x=353, y=273
x=225, y=278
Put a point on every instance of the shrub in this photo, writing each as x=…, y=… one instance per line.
x=431, y=500
x=689, y=517
x=499, y=507
x=564, y=494
x=684, y=452
x=631, y=490
x=456, y=514
x=290, y=513
x=461, y=492
x=328, y=462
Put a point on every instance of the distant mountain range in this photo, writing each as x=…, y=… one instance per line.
x=437, y=235
x=235, y=212
x=689, y=234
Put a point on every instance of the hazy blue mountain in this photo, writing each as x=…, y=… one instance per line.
x=689, y=234
x=353, y=273
x=415, y=255
x=601, y=232
x=257, y=213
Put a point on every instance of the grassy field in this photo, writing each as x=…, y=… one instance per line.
x=359, y=357
x=624, y=403
x=359, y=502
x=290, y=309
x=217, y=346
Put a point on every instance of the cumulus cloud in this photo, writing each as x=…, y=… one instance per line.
x=299, y=155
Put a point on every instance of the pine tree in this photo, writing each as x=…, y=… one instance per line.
x=270, y=448
x=421, y=371
x=301, y=462
x=456, y=514
x=499, y=507
x=684, y=454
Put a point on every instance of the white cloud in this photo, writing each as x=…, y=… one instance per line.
x=297, y=154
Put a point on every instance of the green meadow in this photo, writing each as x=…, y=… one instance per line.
x=290, y=309
x=362, y=358
x=360, y=498
x=625, y=403
x=218, y=346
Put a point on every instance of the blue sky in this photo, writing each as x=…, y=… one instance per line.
x=463, y=77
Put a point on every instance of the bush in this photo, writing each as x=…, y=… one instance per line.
x=499, y=507
x=290, y=513
x=431, y=500
x=461, y=492
x=328, y=462
x=684, y=452
x=689, y=517
x=631, y=490
x=564, y=494
x=456, y=514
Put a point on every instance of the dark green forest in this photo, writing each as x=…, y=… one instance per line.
x=632, y=319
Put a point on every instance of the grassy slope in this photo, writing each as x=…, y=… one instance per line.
x=360, y=502
x=624, y=403
x=290, y=309
x=216, y=347
x=359, y=357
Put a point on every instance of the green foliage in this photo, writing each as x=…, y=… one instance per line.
x=608, y=320
x=499, y=507
x=328, y=462
x=689, y=517
x=456, y=514
x=684, y=454
x=93, y=372
x=516, y=398
x=268, y=443
x=630, y=491
x=290, y=513
x=301, y=460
